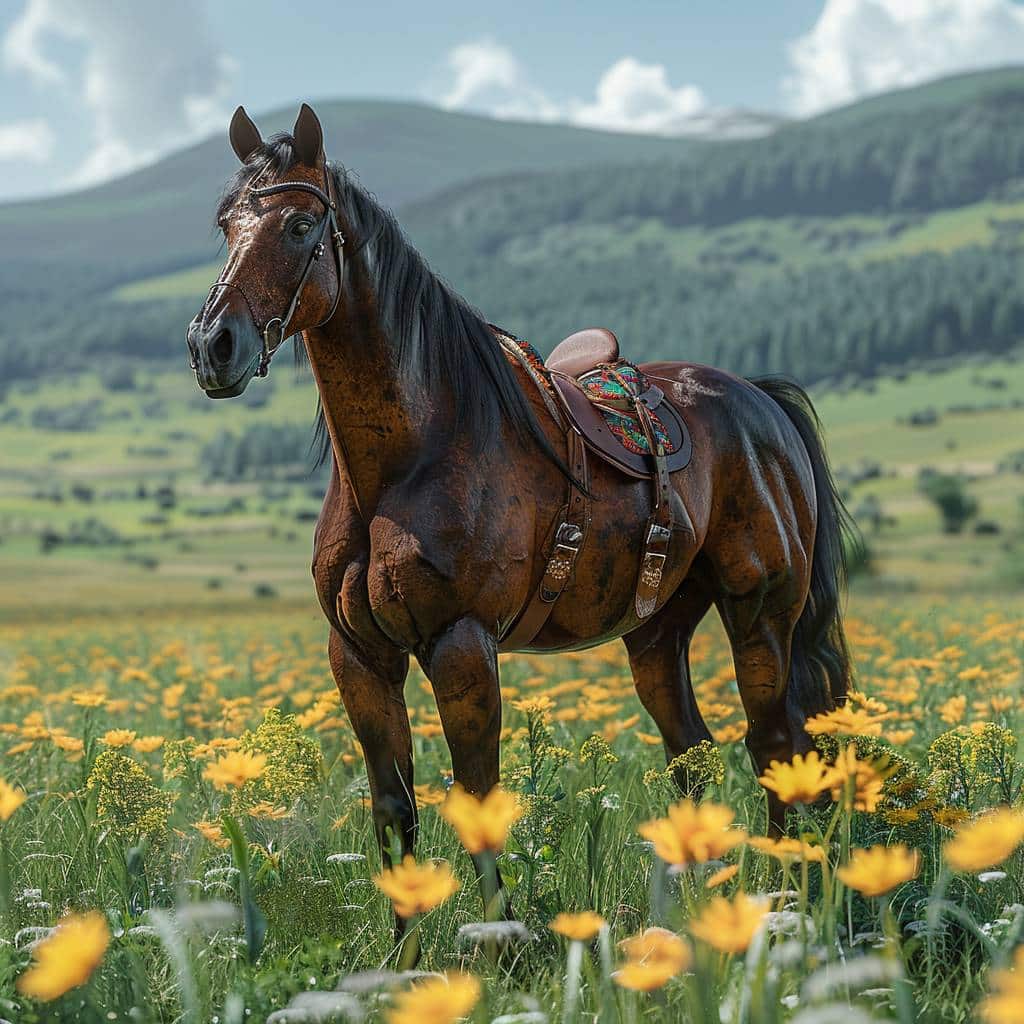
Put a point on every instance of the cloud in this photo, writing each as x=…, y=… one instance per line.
x=630, y=96
x=149, y=75
x=860, y=47
x=638, y=97
x=30, y=140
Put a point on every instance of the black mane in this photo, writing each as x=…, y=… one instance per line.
x=439, y=339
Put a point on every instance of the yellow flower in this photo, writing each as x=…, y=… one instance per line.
x=212, y=832
x=428, y=796
x=653, y=957
x=802, y=780
x=900, y=737
x=580, y=927
x=787, y=849
x=414, y=888
x=986, y=841
x=118, y=737
x=67, y=957
x=268, y=811
x=69, y=744
x=147, y=744
x=235, y=769
x=856, y=782
x=692, y=833
x=880, y=869
x=729, y=925
x=721, y=876
x=11, y=799
x=89, y=699
x=436, y=1000
x=846, y=721
x=1005, y=1005
x=481, y=824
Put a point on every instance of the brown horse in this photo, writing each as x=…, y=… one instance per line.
x=447, y=478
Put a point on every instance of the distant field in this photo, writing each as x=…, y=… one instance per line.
x=205, y=551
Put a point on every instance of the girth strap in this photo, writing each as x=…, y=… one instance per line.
x=569, y=535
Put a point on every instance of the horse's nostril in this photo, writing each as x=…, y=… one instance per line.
x=222, y=347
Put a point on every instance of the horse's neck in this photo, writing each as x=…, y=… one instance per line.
x=371, y=419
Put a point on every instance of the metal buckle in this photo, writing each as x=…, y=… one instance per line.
x=569, y=535
x=658, y=535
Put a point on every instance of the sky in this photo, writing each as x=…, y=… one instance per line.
x=92, y=89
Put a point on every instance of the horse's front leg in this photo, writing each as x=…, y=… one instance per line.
x=462, y=665
x=372, y=689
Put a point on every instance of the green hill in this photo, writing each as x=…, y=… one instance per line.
x=872, y=237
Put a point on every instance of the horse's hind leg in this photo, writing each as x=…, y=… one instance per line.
x=659, y=656
x=760, y=629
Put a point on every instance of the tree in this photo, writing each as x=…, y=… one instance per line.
x=949, y=494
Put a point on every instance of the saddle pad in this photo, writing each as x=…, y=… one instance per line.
x=602, y=385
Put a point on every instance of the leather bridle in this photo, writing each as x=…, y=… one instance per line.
x=275, y=331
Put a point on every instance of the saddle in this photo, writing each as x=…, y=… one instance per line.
x=609, y=407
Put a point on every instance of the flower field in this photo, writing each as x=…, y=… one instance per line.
x=185, y=802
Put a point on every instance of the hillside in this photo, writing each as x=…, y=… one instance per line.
x=157, y=496
x=877, y=236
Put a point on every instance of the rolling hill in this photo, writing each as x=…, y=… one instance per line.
x=868, y=238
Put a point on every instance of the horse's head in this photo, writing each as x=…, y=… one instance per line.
x=284, y=269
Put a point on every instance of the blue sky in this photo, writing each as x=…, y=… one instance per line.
x=90, y=89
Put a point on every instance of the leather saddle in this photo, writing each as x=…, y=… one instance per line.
x=599, y=391
x=573, y=363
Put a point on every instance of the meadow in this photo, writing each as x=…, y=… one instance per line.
x=179, y=774
x=196, y=783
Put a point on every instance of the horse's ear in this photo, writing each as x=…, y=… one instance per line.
x=309, y=137
x=244, y=135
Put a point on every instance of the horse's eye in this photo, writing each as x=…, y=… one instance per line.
x=300, y=228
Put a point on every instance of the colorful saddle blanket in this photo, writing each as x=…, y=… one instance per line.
x=603, y=386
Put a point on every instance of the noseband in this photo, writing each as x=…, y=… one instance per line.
x=275, y=330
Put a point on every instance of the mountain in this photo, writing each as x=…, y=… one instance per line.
x=160, y=218
x=864, y=239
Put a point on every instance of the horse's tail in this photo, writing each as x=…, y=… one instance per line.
x=820, y=662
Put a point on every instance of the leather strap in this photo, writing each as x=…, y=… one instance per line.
x=658, y=533
x=569, y=536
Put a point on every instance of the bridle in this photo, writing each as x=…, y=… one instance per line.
x=275, y=331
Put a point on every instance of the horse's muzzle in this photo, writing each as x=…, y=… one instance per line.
x=224, y=349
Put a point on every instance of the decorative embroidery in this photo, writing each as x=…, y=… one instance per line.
x=601, y=385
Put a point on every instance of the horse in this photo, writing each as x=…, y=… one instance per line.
x=447, y=476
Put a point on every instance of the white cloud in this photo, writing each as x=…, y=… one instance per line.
x=638, y=97
x=30, y=140
x=860, y=47
x=630, y=96
x=149, y=76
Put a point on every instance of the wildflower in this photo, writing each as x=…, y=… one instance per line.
x=267, y=811
x=88, y=699
x=787, y=849
x=294, y=762
x=429, y=796
x=69, y=744
x=579, y=927
x=128, y=800
x=900, y=737
x=985, y=842
x=595, y=748
x=118, y=737
x=880, y=869
x=952, y=711
x=701, y=765
x=147, y=744
x=481, y=824
x=213, y=833
x=436, y=1000
x=10, y=800
x=802, y=780
x=67, y=958
x=721, y=876
x=653, y=957
x=235, y=769
x=692, y=833
x=415, y=888
x=729, y=925
x=846, y=721
x=1005, y=1004
x=857, y=782
x=542, y=705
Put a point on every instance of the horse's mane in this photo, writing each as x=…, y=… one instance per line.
x=439, y=338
